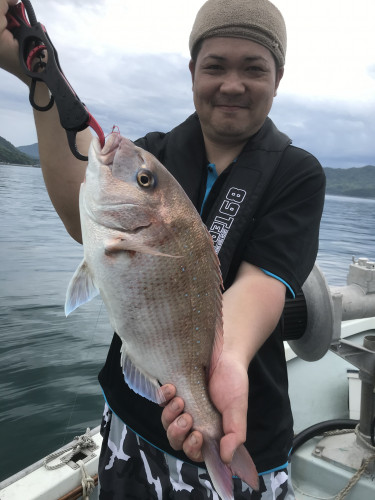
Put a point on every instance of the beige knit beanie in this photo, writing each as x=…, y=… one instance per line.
x=256, y=20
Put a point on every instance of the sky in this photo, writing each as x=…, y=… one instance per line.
x=128, y=62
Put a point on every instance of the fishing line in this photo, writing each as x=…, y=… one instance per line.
x=74, y=404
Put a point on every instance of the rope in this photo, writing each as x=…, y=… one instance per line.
x=337, y=432
x=84, y=441
x=357, y=476
x=354, y=480
x=88, y=483
x=365, y=443
x=359, y=473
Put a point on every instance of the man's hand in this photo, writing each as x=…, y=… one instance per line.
x=9, y=58
x=228, y=389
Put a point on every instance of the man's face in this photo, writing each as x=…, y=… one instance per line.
x=234, y=83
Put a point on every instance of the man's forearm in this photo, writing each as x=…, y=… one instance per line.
x=62, y=172
x=252, y=307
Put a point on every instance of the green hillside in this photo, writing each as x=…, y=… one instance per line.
x=358, y=182
x=10, y=154
x=31, y=150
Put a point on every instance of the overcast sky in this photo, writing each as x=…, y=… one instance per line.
x=128, y=61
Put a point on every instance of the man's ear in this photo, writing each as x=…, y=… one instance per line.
x=279, y=75
x=192, y=70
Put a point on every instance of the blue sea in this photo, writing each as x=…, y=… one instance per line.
x=48, y=363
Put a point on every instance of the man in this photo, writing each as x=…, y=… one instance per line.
x=238, y=55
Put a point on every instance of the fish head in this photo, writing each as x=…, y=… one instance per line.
x=127, y=189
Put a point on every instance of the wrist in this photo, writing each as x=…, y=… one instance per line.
x=239, y=357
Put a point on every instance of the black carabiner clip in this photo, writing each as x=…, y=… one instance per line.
x=33, y=42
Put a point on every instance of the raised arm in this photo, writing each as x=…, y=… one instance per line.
x=62, y=172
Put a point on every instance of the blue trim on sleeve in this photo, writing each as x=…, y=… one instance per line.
x=282, y=281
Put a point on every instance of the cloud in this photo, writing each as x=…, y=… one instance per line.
x=139, y=93
x=339, y=133
x=147, y=92
x=371, y=71
x=16, y=116
x=130, y=67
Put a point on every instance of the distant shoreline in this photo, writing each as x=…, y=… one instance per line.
x=345, y=195
x=350, y=196
x=36, y=165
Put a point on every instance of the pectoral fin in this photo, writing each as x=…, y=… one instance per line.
x=81, y=289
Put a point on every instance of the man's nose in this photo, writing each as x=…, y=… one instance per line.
x=232, y=84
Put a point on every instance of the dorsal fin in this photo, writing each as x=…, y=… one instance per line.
x=217, y=346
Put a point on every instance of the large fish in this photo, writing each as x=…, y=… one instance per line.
x=148, y=254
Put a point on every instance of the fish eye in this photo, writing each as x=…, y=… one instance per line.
x=145, y=178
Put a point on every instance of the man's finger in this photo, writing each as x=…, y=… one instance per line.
x=228, y=445
x=192, y=446
x=171, y=411
x=169, y=392
x=179, y=430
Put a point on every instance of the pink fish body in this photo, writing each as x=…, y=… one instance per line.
x=148, y=254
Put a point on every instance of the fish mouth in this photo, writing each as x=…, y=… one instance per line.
x=113, y=207
x=137, y=230
x=128, y=230
x=108, y=216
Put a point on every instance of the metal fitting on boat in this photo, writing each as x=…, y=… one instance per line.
x=327, y=306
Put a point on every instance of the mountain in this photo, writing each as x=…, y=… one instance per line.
x=31, y=150
x=357, y=182
x=10, y=154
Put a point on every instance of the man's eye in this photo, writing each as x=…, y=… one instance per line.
x=214, y=67
x=255, y=69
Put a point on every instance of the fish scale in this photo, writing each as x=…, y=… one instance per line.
x=148, y=254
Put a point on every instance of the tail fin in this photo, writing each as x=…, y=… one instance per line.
x=221, y=474
x=243, y=466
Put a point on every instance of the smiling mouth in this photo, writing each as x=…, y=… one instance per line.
x=230, y=106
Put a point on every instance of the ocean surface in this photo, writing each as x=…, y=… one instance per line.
x=48, y=363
